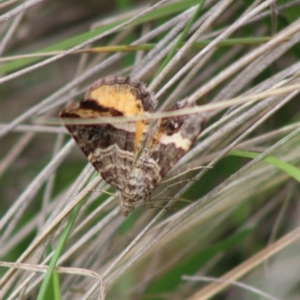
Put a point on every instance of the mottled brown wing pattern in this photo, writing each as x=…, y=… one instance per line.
x=132, y=156
x=167, y=143
x=177, y=137
x=110, y=147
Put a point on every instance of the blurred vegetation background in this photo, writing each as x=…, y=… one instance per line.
x=233, y=232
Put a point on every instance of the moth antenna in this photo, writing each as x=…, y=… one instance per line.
x=104, y=192
x=185, y=172
x=174, y=184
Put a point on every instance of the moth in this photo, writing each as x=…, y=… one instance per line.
x=132, y=156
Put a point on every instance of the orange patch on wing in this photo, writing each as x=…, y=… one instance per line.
x=157, y=138
x=119, y=97
x=140, y=129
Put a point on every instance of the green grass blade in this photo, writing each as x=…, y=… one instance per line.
x=272, y=160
